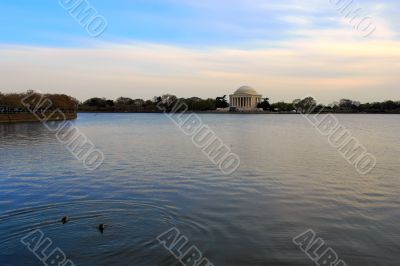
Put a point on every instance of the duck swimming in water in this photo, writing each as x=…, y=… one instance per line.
x=65, y=219
x=102, y=227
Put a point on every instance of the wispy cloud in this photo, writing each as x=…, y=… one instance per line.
x=146, y=69
x=298, y=20
x=286, y=49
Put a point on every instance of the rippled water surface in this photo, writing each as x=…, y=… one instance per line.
x=154, y=178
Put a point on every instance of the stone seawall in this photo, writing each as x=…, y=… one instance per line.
x=28, y=117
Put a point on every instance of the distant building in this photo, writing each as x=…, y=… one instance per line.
x=245, y=99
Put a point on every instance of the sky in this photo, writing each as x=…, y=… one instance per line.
x=285, y=49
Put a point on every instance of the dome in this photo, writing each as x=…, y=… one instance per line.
x=246, y=90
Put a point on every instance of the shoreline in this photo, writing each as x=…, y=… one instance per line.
x=238, y=113
x=28, y=117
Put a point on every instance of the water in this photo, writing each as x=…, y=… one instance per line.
x=154, y=178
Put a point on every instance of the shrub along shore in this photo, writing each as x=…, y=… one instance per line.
x=14, y=107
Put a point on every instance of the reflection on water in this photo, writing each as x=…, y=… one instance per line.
x=154, y=178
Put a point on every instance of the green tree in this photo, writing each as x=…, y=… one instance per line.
x=265, y=105
x=306, y=105
x=221, y=102
x=282, y=106
x=124, y=101
x=166, y=102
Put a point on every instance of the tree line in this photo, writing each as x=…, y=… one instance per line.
x=13, y=102
x=167, y=101
x=124, y=104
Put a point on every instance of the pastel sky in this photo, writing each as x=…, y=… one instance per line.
x=285, y=49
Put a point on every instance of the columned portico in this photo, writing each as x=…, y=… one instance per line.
x=245, y=98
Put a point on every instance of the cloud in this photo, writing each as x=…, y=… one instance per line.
x=319, y=66
x=286, y=49
x=297, y=20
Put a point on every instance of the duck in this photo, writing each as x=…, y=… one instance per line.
x=65, y=219
x=102, y=227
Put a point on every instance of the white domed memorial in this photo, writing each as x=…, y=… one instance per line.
x=245, y=99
